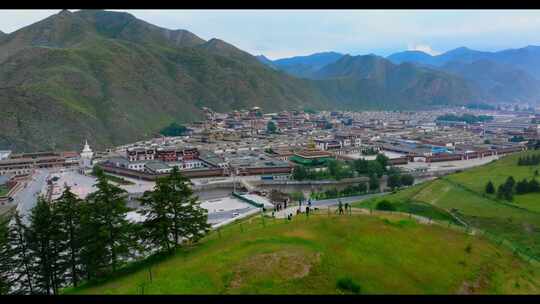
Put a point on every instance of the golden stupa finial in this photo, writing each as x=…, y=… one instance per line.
x=311, y=144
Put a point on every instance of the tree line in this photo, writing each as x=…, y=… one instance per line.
x=468, y=118
x=71, y=240
x=510, y=187
x=529, y=160
x=336, y=169
x=174, y=129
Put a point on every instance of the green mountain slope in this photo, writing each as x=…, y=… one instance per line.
x=376, y=82
x=112, y=78
x=498, y=82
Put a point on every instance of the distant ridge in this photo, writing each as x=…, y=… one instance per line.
x=263, y=59
x=306, y=66
x=381, y=82
x=526, y=58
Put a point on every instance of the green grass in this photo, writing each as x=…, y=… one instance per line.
x=3, y=190
x=498, y=171
x=462, y=194
x=331, y=255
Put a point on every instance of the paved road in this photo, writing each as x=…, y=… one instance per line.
x=26, y=198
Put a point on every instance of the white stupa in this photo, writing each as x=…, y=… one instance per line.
x=86, y=156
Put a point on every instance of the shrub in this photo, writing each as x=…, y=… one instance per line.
x=348, y=284
x=385, y=205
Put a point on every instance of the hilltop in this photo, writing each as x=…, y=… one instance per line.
x=380, y=255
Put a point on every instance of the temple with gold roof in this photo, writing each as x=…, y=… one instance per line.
x=311, y=156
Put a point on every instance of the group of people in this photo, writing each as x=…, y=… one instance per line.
x=283, y=205
x=340, y=207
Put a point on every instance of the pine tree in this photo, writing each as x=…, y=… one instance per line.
x=157, y=224
x=21, y=256
x=522, y=187
x=189, y=219
x=534, y=186
x=509, y=184
x=508, y=188
x=490, y=189
x=107, y=235
x=45, y=249
x=6, y=262
x=68, y=210
x=500, y=192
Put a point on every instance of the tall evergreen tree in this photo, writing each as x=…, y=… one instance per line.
x=107, y=234
x=534, y=186
x=67, y=210
x=45, y=248
x=158, y=222
x=189, y=218
x=6, y=262
x=173, y=213
x=490, y=189
x=522, y=187
x=21, y=256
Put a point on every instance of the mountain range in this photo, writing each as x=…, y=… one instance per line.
x=526, y=58
x=492, y=77
x=305, y=66
x=112, y=78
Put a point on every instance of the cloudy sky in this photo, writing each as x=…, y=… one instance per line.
x=285, y=33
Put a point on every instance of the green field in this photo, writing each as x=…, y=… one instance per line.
x=497, y=172
x=3, y=190
x=390, y=255
x=463, y=195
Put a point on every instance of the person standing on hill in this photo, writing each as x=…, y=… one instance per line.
x=340, y=207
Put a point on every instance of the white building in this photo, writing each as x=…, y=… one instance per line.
x=4, y=154
x=87, y=154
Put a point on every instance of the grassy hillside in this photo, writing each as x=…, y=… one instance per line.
x=112, y=78
x=463, y=196
x=391, y=255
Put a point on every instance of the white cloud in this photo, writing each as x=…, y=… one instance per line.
x=423, y=48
